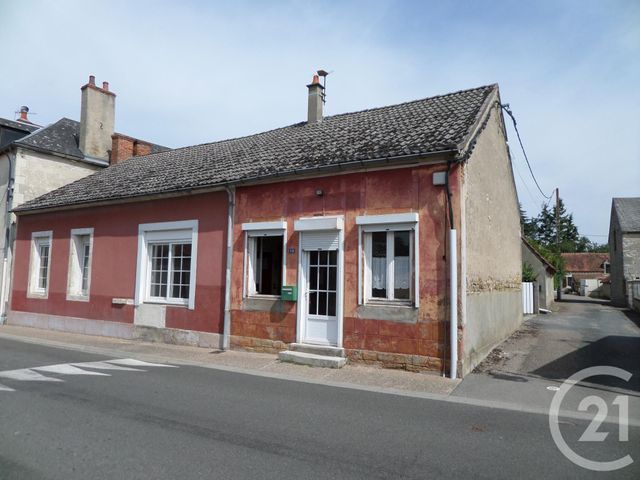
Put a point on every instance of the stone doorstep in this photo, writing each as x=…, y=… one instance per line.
x=323, y=350
x=311, y=359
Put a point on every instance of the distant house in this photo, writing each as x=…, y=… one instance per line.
x=624, y=248
x=35, y=160
x=544, y=273
x=12, y=130
x=584, y=271
x=388, y=236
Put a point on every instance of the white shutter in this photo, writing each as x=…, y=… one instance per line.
x=320, y=240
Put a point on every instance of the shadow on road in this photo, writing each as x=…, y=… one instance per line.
x=613, y=350
x=572, y=299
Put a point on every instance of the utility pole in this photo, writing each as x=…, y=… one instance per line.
x=559, y=295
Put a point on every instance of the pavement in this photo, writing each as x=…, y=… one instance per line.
x=582, y=332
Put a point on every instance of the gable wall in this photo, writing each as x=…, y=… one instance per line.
x=493, y=255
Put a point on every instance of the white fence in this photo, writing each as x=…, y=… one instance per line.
x=527, y=298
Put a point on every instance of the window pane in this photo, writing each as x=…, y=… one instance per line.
x=269, y=265
x=159, y=270
x=332, y=305
x=322, y=283
x=44, y=266
x=379, y=265
x=332, y=278
x=333, y=257
x=313, y=278
x=313, y=258
x=401, y=265
x=324, y=255
x=313, y=303
x=322, y=303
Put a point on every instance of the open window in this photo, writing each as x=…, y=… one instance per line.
x=40, y=264
x=265, y=255
x=388, y=259
x=80, y=252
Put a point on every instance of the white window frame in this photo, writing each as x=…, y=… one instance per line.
x=75, y=292
x=165, y=232
x=38, y=239
x=388, y=223
x=254, y=230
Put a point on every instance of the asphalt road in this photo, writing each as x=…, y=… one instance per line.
x=189, y=422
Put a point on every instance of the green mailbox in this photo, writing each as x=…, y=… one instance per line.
x=289, y=292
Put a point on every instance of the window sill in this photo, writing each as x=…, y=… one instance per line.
x=77, y=298
x=38, y=295
x=168, y=303
x=401, y=313
x=263, y=303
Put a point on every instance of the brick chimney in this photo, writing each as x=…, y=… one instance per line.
x=97, y=118
x=124, y=147
x=315, y=100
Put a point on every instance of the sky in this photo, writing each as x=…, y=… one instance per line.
x=189, y=72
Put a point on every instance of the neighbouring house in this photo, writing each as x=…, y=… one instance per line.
x=371, y=235
x=12, y=130
x=35, y=160
x=624, y=248
x=584, y=271
x=544, y=272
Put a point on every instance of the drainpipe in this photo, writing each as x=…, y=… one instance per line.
x=7, y=239
x=453, y=285
x=226, y=332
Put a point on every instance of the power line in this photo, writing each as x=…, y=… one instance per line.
x=506, y=108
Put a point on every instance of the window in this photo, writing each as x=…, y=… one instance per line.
x=264, y=258
x=607, y=267
x=170, y=270
x=40, y=263
x=80, y=264
x=388, y=259
x=167, y=255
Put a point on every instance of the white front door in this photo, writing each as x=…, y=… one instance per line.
x=321, y=295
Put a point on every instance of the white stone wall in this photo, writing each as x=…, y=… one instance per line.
x=39, y=173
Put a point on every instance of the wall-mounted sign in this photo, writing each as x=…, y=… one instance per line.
x=291, y=250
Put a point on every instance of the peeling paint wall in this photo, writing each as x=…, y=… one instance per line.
x=493, y=302
x=369, y=193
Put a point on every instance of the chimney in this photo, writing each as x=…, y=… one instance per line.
x=97, y=117
x=315, y=100
x=24, y=111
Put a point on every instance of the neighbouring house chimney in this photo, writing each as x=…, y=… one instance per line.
x=315, y=100
x=24, y=111
x=97, y=118
x=124, y=147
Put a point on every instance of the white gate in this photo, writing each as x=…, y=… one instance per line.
x=527, y=297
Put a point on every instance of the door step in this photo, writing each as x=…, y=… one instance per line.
x=312, y=359
x=323, y=350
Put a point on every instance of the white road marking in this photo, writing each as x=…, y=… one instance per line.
x=106, y=366
x=26, y=375
x=31, y=375
x=66, y=369
x=138, y=363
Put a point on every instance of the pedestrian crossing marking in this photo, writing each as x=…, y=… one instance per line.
x=105, y=366
x=33, y=374
x=67, y=369
x=27, y=375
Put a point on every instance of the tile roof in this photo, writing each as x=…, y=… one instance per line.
x=62, y=137
x=584, y=262
x=628, y=211
x=414, y=128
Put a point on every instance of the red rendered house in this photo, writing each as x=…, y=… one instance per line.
x=344, y=236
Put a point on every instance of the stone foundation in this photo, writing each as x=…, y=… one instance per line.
x=411, y=363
